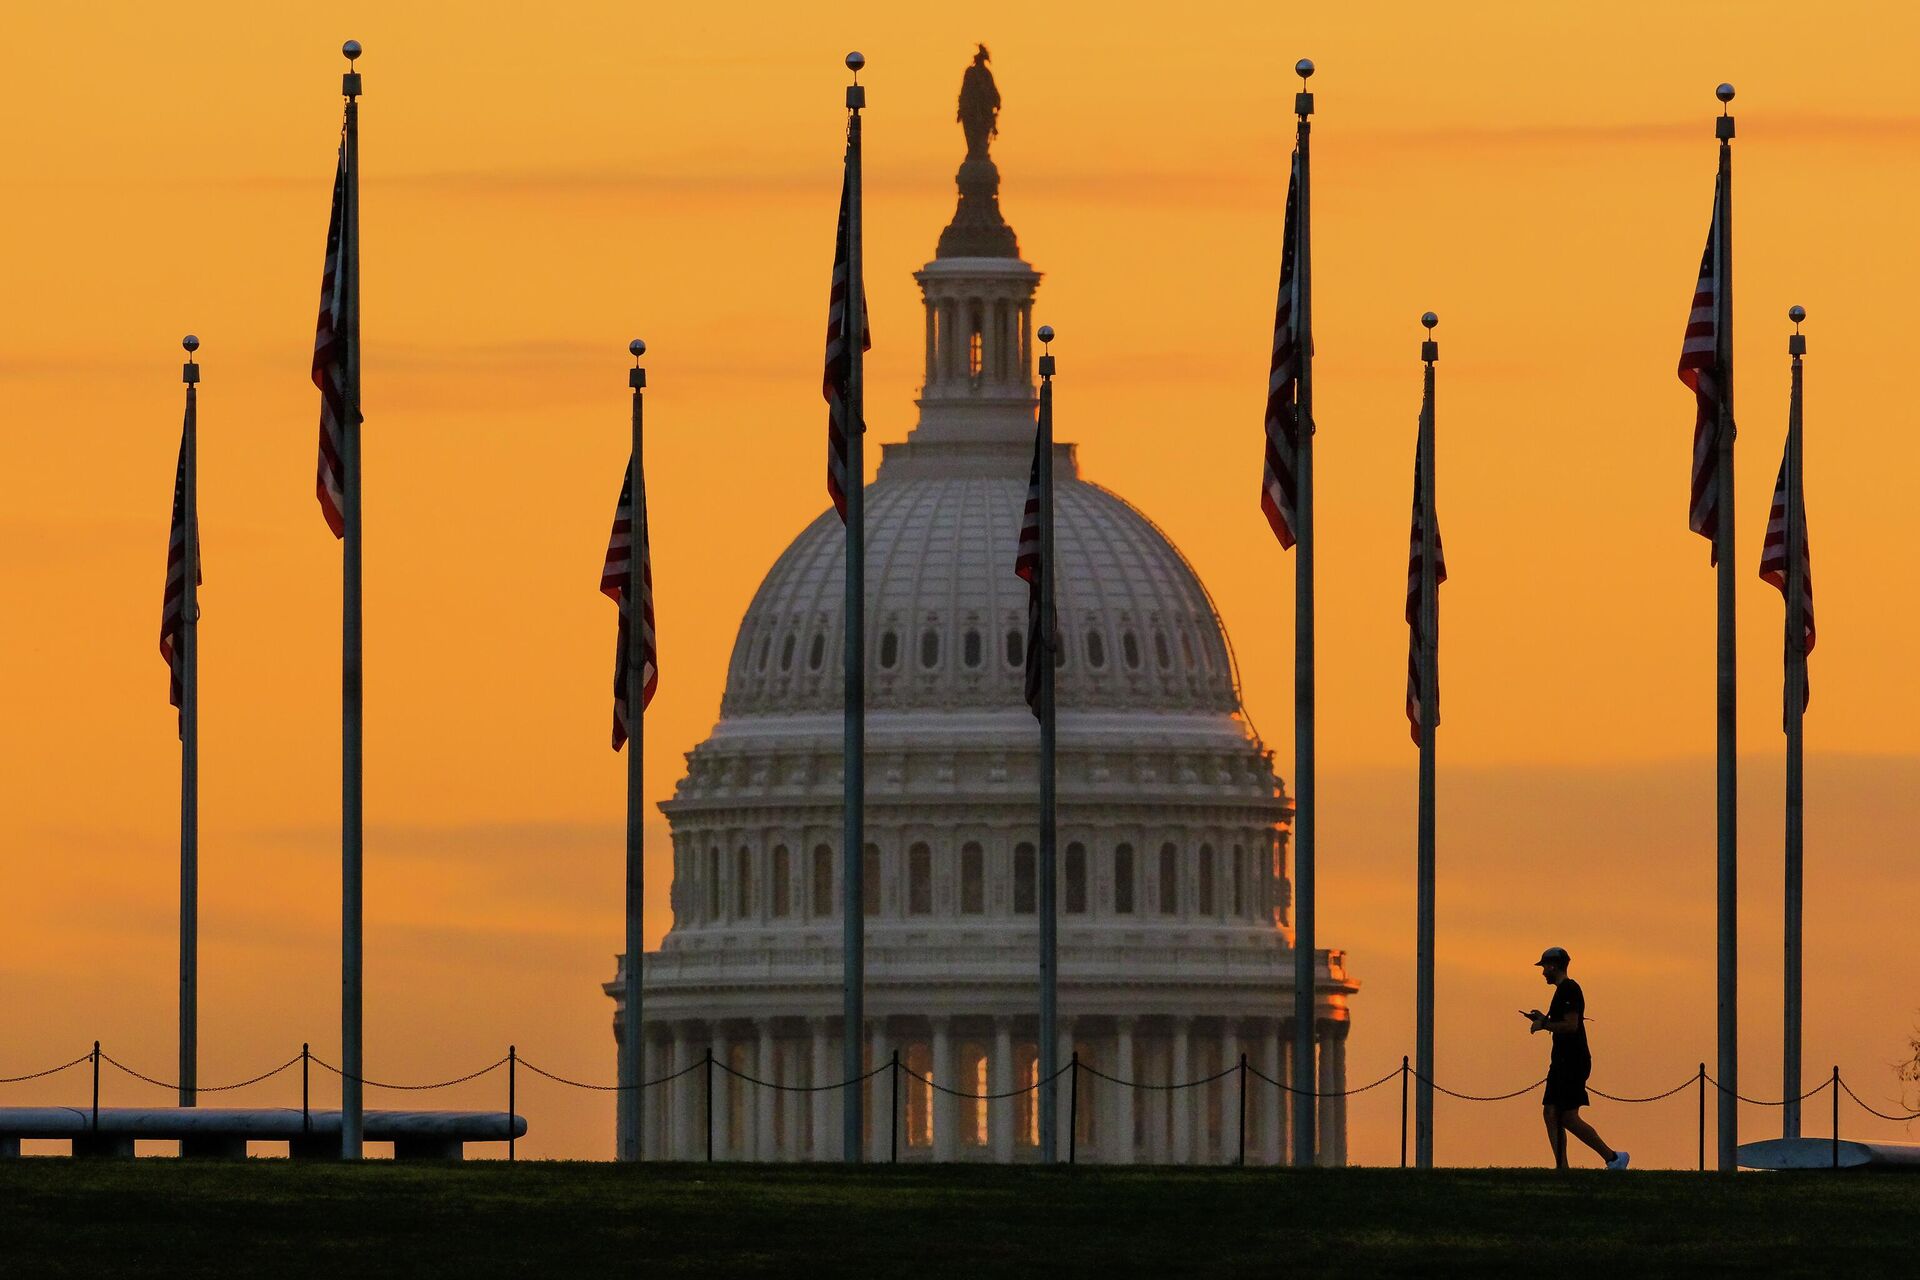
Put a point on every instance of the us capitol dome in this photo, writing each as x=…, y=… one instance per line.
x=1175, y=946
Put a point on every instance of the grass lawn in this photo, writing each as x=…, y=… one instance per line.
x=274, y=1218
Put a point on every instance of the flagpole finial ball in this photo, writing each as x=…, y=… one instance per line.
x=1724, y=93
x=192, y=344
x=352, y=49
x=1304, y=68
x=637, y=347
x=1429, y=319
x=1046, y=333
x=856, y=61
x=1796, y=314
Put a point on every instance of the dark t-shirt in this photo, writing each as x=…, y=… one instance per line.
x=1570, y=1047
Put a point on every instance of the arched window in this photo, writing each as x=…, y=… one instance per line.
x=1024, y=879
x=929, y=649
x=742, y=883
x=1161, y=653
x=889, y=650
x=1076, y=879
x=822, y=882
x=1206, y=880
x=870, y=880
x=1123, y=880
x=713, y=884
x=1239, y=881
x=782, y=890
x=818, y=653
x=1096, y=650
x=1016, y=648
x=973, y=879
x=919, y=880
x=1130, y=650
x=970, y=649
x=1169, y=880
x=786, y=651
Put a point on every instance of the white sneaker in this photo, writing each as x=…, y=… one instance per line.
x=1619, y=1160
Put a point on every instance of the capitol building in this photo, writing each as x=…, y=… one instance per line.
x=1175, y=945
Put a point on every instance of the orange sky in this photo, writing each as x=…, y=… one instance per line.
x=540, y=186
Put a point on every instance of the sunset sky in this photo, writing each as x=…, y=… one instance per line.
x=542, y=184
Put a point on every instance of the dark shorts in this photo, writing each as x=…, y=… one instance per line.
x=1567, y=1086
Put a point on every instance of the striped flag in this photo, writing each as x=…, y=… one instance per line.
x=330, y=364
x=613, y=583
x=1414, y=636
x=1773, y=568
x=839, y=365
x=1277, y=484
x=1026, y=563
x=1700, y=370
x=172, y=604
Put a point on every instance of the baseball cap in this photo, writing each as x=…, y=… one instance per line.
x=1552, y=955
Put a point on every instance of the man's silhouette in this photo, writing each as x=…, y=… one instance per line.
x=1572, y=1063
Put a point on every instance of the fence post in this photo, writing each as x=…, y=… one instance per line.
x=1836, y=1116
x=1403, y=1111
x=1703, y=1117
x=1073, y=1107
x=709, y=1104
x=513, y=1062
x=893, y=1110
x=306, y=1112
x=1242, y=1158
x=96, y=1087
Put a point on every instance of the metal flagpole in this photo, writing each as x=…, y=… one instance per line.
x=630, y=1108
x=1305, y=967
x=853, y=768
x=1728, y=860
x=1429, y=729
x=351, y=1121
x=188, y=639
x=1049, y=1035
x=1796, y=699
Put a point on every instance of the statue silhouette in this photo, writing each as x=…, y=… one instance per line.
x=979, y=105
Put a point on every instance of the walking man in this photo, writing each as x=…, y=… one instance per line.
x=1572, y=1063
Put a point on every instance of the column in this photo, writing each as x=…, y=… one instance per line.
x=879, y=1094
x=1000, y=1110
x=1122, y=1143
x=645, y=1098
x=680, y=1096
x=1286, y=1099
x=766, y=1101
x=1329, y=1083
x=1180, y=1101
x=722, y=1098
x=950, y=340
x=931, y=333
x=1063, y=1093
x=945, y=1106
x=822, y=1102
x=1273, y=1102
x=1230, y=1086
x=1339, y=1046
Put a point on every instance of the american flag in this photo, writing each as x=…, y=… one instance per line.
x=1773, y=568
x=1700, y=370
x=172, y=604
x=1283, y=427
x=1026, y=563
x=613, y=583
x=839, y=365
x=1414, y=637
x=330, y=364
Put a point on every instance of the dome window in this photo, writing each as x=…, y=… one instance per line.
x=786, y=652
x=1076, y=887
x=1123, y=880
x=782, y=893
x=970, y=648
x=919, y=880
x=822, y=882
x=929, y=649
x=1016, y=648
x=1130, y=650
x=889, y=650
x=766, y=647
x=1161, y=653
x=1205, y=905
x=973, y=879
x=870, y=880
x=1096, y=650
x=1024, y=879
x=818, y=653
x=1169, y=880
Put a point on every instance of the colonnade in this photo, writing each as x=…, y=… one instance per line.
x=1152, y=1122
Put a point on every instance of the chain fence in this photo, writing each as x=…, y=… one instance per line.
x=1241, y=1073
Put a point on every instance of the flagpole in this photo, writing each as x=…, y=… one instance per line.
x=1796, y=700
x=630, y=1110
x=352, y=1129
x=1429, y=729
x=1049, y=1036
x=853, y=769
x=1305, y=957
x=1728, y=851
x=189, y=644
